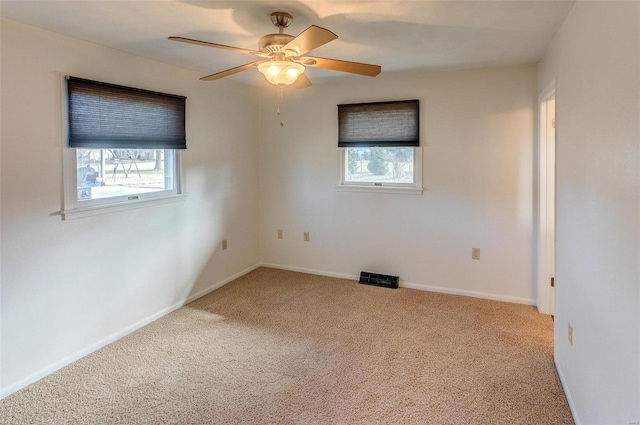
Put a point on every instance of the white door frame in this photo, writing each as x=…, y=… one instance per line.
x=546, y=197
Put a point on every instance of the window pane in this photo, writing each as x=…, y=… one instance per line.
x=379, y=165
x=105, y=173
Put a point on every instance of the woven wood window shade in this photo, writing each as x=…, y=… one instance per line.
x=380, y=124
x=103, y=115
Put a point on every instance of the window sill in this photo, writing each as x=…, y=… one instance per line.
x=81, y=212
x=380, y=189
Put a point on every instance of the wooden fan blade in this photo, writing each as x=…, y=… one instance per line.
x=217, y=46
x=302, y=82
x=231, y=71
x=309, y=39
x=344, y=66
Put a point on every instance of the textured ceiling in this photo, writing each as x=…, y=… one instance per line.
x=400, y=36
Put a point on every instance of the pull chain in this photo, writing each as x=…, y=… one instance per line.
x=279, y=110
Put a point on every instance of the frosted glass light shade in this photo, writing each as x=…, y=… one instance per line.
x=281, y=73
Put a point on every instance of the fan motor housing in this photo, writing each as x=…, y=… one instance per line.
x=273, y=43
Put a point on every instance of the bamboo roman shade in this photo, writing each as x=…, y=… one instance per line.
x=103, y=115
x=380, y=124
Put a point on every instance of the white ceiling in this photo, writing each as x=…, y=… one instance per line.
x=400, y=36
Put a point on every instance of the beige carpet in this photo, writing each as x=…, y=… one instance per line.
x=277, y=347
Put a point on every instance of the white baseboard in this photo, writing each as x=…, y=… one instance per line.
x=466, y=293
x=5, y=391
x=572, y=406
x=418, y=286
x=220, y=284
x=310, y=271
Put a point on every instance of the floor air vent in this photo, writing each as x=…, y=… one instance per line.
x=376, y=279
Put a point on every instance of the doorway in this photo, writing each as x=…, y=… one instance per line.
x=546, y=199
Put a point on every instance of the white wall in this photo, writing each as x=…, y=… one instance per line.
x=478, y=132
x=68, y=286
x=595, y=58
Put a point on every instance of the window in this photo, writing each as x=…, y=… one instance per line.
x=109, y=173
x=380, y=146
x=123, y=146
x=379, y=165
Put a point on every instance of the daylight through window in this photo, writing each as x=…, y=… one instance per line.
x=382, y=165
x=104, y=173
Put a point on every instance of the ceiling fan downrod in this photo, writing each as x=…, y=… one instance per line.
x=281, y=20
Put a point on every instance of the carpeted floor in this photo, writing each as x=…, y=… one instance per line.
x=278, y=347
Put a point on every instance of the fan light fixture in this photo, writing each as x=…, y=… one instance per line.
x=281, y=73
x=283, y=57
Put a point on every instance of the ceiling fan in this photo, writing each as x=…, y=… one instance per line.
x=284, y=56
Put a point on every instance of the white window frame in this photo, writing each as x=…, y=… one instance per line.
x=414, y=188
x=73, y=208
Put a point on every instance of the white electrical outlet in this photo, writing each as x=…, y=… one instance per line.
x=280, y=234
x=475, y=253
x=306, y=236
